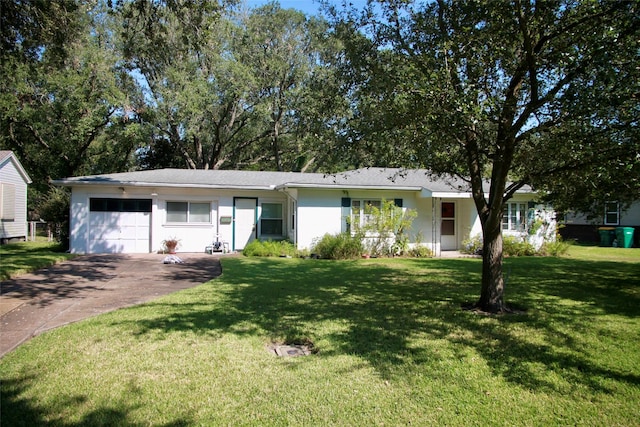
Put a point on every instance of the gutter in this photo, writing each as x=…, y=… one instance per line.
x=72, y=183
x=347, y=187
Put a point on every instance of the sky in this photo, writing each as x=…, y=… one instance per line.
x=309, y=7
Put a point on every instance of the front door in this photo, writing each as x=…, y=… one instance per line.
x=448, y=227
x=244, y=221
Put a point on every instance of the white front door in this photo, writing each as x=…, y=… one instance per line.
x=448, y=227
x=244, y=221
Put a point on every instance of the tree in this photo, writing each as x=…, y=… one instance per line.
x=516, y=92
x=62, y=92
x=191, y=101
x=225, y=88
x=63, y=98
x=283, y=48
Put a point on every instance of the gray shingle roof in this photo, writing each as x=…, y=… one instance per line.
x=366, y=178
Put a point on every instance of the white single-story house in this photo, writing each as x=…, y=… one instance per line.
x=136, y=211
x=13, y=198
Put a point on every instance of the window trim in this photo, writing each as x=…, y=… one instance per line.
x=520, y=211
x=362, y=216
x=608, y=212
x=281, y=219
x=188, y=212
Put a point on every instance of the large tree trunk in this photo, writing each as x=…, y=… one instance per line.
x=492, y=292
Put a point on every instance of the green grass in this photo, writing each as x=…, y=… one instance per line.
x=595, y=253
x=20, y=258
x=394, y=348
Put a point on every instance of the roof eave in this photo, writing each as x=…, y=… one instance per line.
x=25, y=176
x=348, y=187
x=73, y=183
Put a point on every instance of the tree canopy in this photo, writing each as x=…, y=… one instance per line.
x=541, y=93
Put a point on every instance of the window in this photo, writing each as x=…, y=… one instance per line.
x=448, y=217
x=7, y=202
x=271, y=219
x=119, y=205
x=362, y=211
x=189, y=212
x=514, y=217
x=611, y=213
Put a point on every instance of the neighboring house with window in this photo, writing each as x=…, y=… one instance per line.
x=13, y=198
x=583, y=229
x=136, y=211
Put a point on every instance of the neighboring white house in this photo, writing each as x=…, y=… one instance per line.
x=13, y=198
x=583, y=229
x=135, y=211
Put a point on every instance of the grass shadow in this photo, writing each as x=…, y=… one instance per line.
x=403, y=318
x=20, y=412
x=378, y=311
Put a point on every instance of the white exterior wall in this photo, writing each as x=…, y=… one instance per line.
x=193, y=237
x=308, y=214
x=320, y=212
x=422, y=228
x=79, y=219
x=15, y=227
x=545, y=233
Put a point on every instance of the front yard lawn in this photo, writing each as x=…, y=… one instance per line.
x=25, y=257
x=393, y=348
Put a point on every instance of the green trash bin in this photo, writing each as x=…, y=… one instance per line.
x=624, y=237
x=607, y=236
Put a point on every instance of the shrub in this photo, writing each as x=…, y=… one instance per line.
x=338, y=246
x=269, y=248
x=511, y=246
x=557, y=248
x=420, y=251
x=384, y=231
x=514, y=246
x=472, y=245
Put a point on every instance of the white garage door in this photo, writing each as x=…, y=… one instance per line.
x=119, y=225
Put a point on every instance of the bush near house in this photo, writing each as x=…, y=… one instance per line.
x=269, y=248
x=339, y=246
x=517, y=246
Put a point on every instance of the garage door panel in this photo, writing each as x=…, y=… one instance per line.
x=119, y=231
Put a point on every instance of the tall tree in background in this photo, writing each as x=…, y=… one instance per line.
x=519, y=92
x=285, y=51
x=62, y=95
x=63, y=99
x=173, y=47
x=226, y=88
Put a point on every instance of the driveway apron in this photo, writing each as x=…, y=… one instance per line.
x=89, y=285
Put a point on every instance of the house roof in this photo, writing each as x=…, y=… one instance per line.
x=366, y=178
x=7, y=156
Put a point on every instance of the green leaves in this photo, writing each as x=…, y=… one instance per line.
x=524, y=90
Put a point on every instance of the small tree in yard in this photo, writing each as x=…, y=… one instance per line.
x=518, y=92
x=385, y=228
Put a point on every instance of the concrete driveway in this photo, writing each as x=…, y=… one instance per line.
x=89, y=285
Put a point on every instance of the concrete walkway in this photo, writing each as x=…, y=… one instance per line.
x=89, y=285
